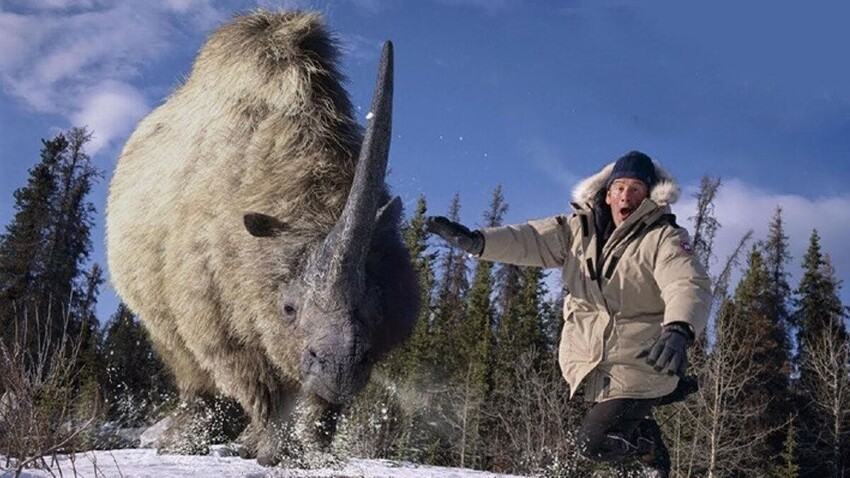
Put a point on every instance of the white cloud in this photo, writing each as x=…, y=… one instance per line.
x=55, y=4
x=359, y=48
x=288, y=4
x=183, y=6
x=50, y=56
x=110, y=110
x=201, y=13
x=63, y=54
x=16, y=32
x=741, y=207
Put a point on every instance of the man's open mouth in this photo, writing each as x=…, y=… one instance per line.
x=626, y=211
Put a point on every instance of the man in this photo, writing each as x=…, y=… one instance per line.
x=637, y=299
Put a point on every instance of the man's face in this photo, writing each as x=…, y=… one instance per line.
x=624, y=196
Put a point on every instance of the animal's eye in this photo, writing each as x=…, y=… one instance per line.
x=289, y=310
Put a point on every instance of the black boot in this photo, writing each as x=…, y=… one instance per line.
x=652, y=452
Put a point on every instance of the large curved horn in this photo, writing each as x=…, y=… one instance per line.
x=343, y=254
x=358, y=217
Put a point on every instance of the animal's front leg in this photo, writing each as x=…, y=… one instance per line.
x=199, y=422
x=317, y=422
x=299, y=434
x=274, y=434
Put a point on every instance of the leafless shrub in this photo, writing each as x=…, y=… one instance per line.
x=38, y=416
x=718, y=441
x=456, y=421
x=830, y=397
x=387, y=420
x=536, y=422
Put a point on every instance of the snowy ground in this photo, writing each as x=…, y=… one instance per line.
x=142, y=463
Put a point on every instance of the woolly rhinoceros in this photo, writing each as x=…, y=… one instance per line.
x=250, y=228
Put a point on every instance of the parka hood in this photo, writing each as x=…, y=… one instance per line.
x=665, y=192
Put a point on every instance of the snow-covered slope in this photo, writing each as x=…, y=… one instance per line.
x=144, y=463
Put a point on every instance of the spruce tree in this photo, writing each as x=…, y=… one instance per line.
x=766, y=347
x=776, y=257
x=553, y=322
x=787, y=466
x=817, y=305
x=449, y=313
x=413, y=360
x=90, y=373
x=534, y=313
x=450, y=310
x=477, y=335
x=477, y=341
x=136, y=381
x=22, y=246
x=506, y=276
x=47, y=244
x=521, y=341
x=69, y=243
x=705, y=223
x=523, y=328
x=89, y=333
x=819, y=316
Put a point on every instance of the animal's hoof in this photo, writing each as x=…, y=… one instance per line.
x=199, y=422
x=247, y=453
x=249, y=442
x=183, y=447
x=267, y=459
x=295, y=456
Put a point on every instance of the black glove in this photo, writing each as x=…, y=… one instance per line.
x=457, y=235
x=687, y=385
x=669, y=352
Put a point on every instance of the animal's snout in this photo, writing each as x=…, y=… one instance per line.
x=335, y=371
x=333, y=360
x=310, y=363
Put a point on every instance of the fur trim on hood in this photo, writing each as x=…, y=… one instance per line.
x=665, y=192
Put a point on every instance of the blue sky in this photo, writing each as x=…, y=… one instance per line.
x=531, y=95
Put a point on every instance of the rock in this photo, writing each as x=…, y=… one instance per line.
x=110, y=437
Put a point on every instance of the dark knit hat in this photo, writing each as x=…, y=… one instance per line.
x=634, y=165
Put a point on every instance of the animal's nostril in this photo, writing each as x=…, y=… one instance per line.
x=310, y=363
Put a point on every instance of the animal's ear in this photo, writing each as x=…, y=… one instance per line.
x=263, y=225
x=389, y=215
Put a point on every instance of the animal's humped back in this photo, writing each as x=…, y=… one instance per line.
x=276, y=77
x=262, y=122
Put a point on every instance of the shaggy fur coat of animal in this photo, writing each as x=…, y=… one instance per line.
x=263, y=125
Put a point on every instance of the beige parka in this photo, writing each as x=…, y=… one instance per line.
x=617, y=302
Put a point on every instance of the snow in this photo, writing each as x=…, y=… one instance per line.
x=143, y=463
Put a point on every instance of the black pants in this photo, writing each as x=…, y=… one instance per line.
x=624, y=428
x=608, y=429
x=621, y=429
